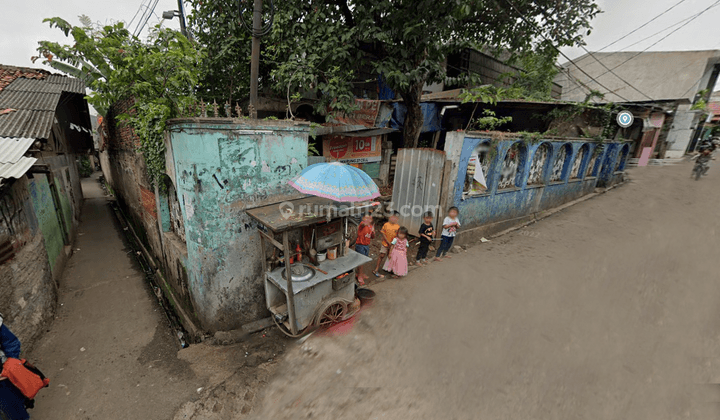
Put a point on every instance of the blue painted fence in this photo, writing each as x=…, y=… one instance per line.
x=501, y=203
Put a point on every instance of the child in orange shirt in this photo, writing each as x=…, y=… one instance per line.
x=388, y=232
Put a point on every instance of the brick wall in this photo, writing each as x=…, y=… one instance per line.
x=120, y=135
x=28, y=294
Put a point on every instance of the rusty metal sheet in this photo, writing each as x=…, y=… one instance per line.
x=418, y=185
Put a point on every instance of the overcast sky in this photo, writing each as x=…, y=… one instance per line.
x=21, y=24
x=620, y=17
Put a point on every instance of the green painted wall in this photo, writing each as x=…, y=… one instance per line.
x=221, y=170
x=47, y=219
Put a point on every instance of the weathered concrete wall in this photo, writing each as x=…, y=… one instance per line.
x=28, y=294
x=58, y=214
x=221, y=169
x=681, y=131
x=51, y=227
x=498, y=205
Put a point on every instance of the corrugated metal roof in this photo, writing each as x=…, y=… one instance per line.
x=44, y=101
x=35, y=101
x=27, y=123
x=11, y=150
x=68, y=84
x=12, y=162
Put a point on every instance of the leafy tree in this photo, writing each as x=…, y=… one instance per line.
x=538, y=70
x=317, y=44
x=160, y=75
x=225, y=69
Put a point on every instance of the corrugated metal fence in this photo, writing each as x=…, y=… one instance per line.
x=418, y=185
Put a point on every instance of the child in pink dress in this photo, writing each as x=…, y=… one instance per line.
x=397, y=257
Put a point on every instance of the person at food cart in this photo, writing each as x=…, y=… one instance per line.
x=365, y=234
x=388, y=232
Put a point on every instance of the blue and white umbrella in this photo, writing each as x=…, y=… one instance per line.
x=336, y=181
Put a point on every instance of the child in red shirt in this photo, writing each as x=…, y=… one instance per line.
x=366, y=232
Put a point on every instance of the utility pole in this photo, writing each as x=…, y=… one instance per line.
x=255, y=57
x=181, y=12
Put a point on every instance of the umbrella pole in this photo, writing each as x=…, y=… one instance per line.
x=288, y=278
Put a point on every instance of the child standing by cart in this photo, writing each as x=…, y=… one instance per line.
x=450, y=226
x=397, y=262
x=365, y=234
x=388, y=231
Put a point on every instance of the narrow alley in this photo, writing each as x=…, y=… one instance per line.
x=109, y=353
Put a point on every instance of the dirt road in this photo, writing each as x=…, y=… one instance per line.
x=109, y=354
x=607, y=310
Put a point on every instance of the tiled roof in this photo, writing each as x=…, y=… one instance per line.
x=27, y=105
x=13, y=163
x=10, y=73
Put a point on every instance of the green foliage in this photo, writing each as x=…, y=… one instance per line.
x=489, y=121
x=317, y=45
x=225, y=67
x=85, y=168
x=489, y=94
x=531, y=138
x=160, y=75
x=539, y=68
x=700, y=105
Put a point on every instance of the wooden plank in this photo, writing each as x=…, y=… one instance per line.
x=277, y=244
x=445, y=194
x=288, y=278
x=264, y=257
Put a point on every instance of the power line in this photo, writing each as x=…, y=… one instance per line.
x=149, y=12
x=524, y=18
x=656, y=42
x=642, y=26
x=142, y=3
x=633, y=44
x=616, y=75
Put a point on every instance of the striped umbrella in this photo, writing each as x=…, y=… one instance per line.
x=336, y=181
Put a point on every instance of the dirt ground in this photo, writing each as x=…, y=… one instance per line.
x=607, y=310
x=111, y=354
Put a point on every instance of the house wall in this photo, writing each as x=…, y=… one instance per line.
x=59, y=216
x=222, y=168
x=681, y=131
x=502, y=207
x=28, y=294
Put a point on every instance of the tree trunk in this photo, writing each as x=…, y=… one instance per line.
x=414, y=117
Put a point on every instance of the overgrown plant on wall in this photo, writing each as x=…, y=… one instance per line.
x=160, y=74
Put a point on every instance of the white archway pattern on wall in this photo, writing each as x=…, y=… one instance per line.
x=577, y=163
x=510, y=167
x=537, y=168
x=559, y=164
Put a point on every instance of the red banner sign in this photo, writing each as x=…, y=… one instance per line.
x=352, y=149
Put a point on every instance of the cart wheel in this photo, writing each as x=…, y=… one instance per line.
x=331, y=312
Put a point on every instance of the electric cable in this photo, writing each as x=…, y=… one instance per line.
x=266, y=28
x=655, y=43
x=524, y=18
x=642, y=26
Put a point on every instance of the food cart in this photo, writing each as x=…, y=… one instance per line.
x=318, y=291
